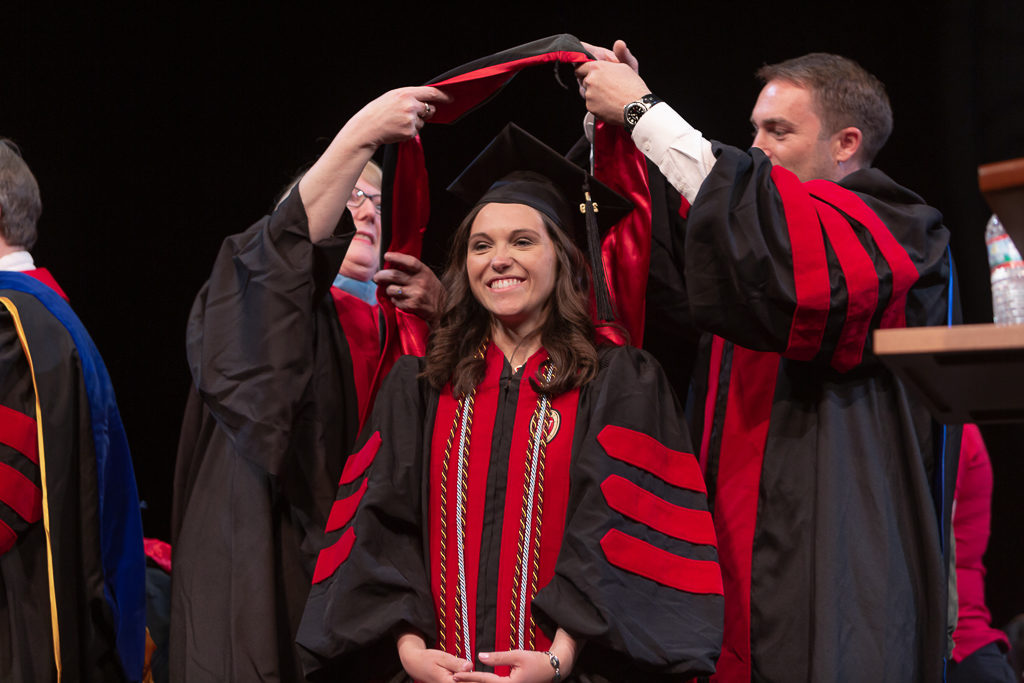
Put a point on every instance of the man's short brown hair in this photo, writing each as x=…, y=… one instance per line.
x=20, y=205
x=845, y=93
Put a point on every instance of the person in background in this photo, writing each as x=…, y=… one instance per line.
x=274, y=407
x=979, y=654
x=409, y=283
x=72, y=569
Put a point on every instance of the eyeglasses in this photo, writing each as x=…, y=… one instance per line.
x=358, y=197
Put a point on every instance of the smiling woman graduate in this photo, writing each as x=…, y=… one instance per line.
x=523, y=501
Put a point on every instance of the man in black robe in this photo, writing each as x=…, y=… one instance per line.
x=272, y=413
x=831, y=486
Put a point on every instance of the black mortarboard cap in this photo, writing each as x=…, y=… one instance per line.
x=517, y=168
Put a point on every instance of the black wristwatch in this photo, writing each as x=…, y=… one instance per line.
x=554, y=665
x=632, y=112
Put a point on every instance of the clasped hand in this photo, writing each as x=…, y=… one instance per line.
x=436, y=666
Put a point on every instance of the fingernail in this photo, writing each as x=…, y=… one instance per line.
x=485, y=656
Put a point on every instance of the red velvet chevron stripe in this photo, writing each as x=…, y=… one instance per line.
x=644, y=451
x=343, y=510
x=19, y=493
x=18, y=431
x=644, y=559
x=358, y=462
x=332, y=556
x=686, y=524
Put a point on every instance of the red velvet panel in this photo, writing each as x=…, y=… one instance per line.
x=641, y=558
x=644, y=451
x=861, y=287
x=555, y=486
x=752, y=379
x=484, y=415
x=447, y=409
x=358, y=462
x=810, y=267
x=18, y=431
x=904, y=272
x=692, y=526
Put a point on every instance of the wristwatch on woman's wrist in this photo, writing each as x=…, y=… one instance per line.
x=632, y=112
x=554, y=665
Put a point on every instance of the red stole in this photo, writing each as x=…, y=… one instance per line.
x=546, y=515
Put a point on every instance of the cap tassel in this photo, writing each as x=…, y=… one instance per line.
x=604, y=302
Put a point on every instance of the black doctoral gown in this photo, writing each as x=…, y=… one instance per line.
x=829, y=482
x=622, y=556
x=72, y=569
x=270, y=417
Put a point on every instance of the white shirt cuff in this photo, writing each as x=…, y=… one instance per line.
x=677, y=148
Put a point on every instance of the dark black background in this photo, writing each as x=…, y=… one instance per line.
x=157, y=130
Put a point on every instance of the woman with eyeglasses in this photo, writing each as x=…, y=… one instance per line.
x=525, y=505
x=280, y=362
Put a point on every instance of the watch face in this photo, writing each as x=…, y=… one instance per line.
x=633, y=113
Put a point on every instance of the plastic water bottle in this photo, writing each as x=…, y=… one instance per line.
x=1007, y=270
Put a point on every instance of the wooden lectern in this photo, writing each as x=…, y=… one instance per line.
x=969, y=373
x=1002, y=183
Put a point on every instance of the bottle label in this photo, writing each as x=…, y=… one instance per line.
x=1002, y=253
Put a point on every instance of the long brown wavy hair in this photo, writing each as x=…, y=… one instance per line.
x=567, y=333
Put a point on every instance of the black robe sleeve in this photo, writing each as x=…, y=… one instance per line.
x=270, y=417
x=807, y=269
x=72, y=545
x=371, y=580
x=669, y=334
x=251, y=331
x=637, y=577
